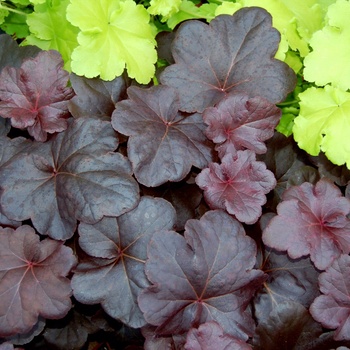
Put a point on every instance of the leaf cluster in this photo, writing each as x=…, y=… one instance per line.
x=172, y=215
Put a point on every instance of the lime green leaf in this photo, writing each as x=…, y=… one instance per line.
x=329, y=60
x=165, y=8
x=227, y=8
x=37, y=2
x=15, y=24
x=188, y=10
x=3, y=14
x=114, y=34
x=50, y=29
x=293, y=60
x=323, y=123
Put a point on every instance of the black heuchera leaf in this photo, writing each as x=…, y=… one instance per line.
x=118, y=251
x=290, y=326
x=163, y=143
x=231, y=54
x=95, y=98
x=11, y=54
x=8, y=149
x=74, y=176
x=206, y=275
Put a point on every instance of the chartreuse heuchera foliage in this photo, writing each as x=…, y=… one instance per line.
x=147, y=200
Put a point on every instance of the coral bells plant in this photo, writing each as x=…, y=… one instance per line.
x=147, y=200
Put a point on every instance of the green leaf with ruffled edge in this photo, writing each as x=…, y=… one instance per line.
x=329, y=60
x=50, y=30
x=114, y=34
x=165, y=8
x=323, y=123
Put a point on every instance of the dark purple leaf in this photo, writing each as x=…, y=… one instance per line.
x=288, y=280
x=8, y=149
x=311, y=221
x=5, y=126
x=289, y=326
x=13, y=55
x=163, y=144
x=35, y=96
x=239, y=122
x=206, y=275
x=239, y=185
x=25, y=338
x=155, y=342
x=286, y=161
x=118, y=250
x=33, y=279
x=74, y=176
x=185, y=197
x=232, y=54
x=95, y=98
x=339, y=174
x=72, y=331
x=332, y=309
x=211, y=336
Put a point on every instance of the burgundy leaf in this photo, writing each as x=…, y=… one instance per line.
x=95, y=98
x=312, y=220
x=118, y=250
x=239, y=122
x=206, y=275
x=210, y=336
x=33, y=279
x=74, y=176
x=163, y=144
x=232, y=54
x=239, y=185
x=289, y=324
x=35, y=96
x=332, y=309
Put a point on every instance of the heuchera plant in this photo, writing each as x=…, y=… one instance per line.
x=166, y=216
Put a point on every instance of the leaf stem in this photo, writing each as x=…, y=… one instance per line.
x=287, y=103
x=2, y=7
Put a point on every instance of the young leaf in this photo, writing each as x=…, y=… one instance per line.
x=33, y=279
x=74, y=176
x=35, y=96
x=206, y=275
x=95, y=98
x=239, y=185
x=239, y=122
x=231, y=54
x=210, y=336
x=332, y=309
x=118, y=250
x=165, y=8
x=163, y=144
x=114, y=34
x=312, y=220
x=322, y=123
